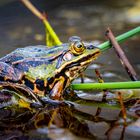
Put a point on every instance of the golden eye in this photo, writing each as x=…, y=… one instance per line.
x=77, y=48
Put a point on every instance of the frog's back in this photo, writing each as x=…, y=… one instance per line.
x=39, y=51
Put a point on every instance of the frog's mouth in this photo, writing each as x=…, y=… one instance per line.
x=74, y=67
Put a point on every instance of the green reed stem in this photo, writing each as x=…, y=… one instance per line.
x=106, y=45
x=107, y=85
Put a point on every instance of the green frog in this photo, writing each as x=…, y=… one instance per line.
x=46, y=71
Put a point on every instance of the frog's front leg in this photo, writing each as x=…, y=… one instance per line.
x=57, y=88
x=7, y=72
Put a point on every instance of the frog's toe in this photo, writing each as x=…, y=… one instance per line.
x=36, y=105
x=48, y=101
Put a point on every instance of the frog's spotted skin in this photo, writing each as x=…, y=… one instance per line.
x=47, y=70
x=38, y=51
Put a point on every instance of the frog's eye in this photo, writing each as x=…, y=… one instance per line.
x=77, y=48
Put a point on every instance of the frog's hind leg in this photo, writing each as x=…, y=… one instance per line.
x=26, y=97
x=7, y=72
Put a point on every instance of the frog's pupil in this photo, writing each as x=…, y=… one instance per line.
x=79, y=46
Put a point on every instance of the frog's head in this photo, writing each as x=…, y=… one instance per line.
x=76, y=58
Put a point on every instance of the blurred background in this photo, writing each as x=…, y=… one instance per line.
x=88, y=19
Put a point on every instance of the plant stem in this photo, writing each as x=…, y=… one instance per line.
x=123, y=109
x=51, y=32
x=107, y=85
x=42, y=17
x=106, y=45
x=33, y=9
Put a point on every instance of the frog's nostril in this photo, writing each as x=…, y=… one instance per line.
x=90, y=47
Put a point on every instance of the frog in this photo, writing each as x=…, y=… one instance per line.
x=47, y=71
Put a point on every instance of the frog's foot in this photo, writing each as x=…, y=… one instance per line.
x=22, y=92
x=71, y=95
x=9, y=73
x=57, y=89
x=52, y=103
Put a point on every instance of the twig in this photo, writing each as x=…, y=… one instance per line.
x=82, y=77
x=122, y=107
x=33, y=9
x=124, y=60
x=100, y=80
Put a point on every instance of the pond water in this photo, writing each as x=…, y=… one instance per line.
x=86, y=116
